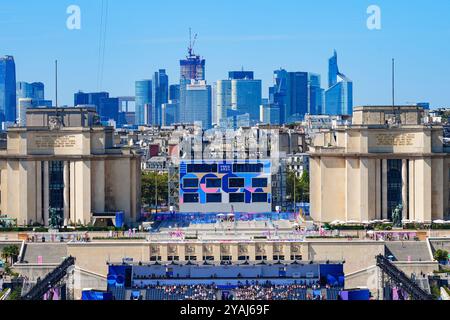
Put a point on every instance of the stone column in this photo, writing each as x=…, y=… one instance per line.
x=46, y=193
x=405, y=188
x=66, y=192
x=412, y=191
x=384, y=171
x=378, y=209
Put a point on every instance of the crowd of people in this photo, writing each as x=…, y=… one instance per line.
x=269, y=291
x=183, y=292
x=253, y=290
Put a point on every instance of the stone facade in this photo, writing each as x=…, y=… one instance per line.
x=76, y=169
x=361, y=172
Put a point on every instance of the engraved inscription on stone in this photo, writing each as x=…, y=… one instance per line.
x=55, y=141
x=395, y=139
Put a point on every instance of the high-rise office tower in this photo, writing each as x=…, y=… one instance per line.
x=339, y=95
x=92, y=98
x=240, y=93
x=197, y=107
x=143, y=97
x=34, y=91
x=316, y=95
x=296, y=94
x=22, y=107
x=195, y=94
x=223, y=99
x=269, y=113
x=174, y=92
x=7, y=89
x=109, y=109
x=170, y=113
x=160, y=90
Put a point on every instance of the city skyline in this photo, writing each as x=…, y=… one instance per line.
x=302, y=40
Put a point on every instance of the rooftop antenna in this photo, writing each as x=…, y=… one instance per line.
x=56, y=86
x=395, y=110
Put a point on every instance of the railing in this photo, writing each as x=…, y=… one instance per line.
x=42, y=287
x=400, y=278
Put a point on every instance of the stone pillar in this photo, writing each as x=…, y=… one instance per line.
x=405, y=188
x=46, y=191
x=378, y=209
x=384, y=171
x=66, y=192
x=411, y=205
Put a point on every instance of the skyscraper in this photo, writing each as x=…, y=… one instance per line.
x=143, y=97
x=160, y=90
x=195, y=94
x=109, y=109
x=296, y=94
x=174, y=92
x=92, y=98
x=240, y=93
x=7, y=89
x=197, y=107
x=34, y=91
x=339, y=95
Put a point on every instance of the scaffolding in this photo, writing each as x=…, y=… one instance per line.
x=174, y=186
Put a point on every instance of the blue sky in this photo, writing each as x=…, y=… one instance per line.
x=260, y=35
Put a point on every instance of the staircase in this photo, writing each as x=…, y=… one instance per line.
x=50, y=280
x=399, y=277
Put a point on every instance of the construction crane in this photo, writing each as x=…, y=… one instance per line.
x=191, y=43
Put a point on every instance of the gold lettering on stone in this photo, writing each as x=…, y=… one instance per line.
x=395, y=139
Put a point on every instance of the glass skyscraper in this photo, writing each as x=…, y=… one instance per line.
x=160, y=90
x=109, y=109
x=92, y=98
x=296, y=94
x=8, y=100
x=339, y=95
x=197, y=107
x=240, y=93
x=34, y=91
x=143, y=97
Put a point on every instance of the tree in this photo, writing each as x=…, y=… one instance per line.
x=301, y=187
x=441, y=255
x=152, y=183
x=10, y=253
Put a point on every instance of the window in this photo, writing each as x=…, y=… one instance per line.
x=259, y=182
x=248, y=167
x=226, y=258
x=214, y=197
x=155, y=258
x=208, y=258
x=190, y=183
x=213, y=183
x=237, y=197
x=296, y=257
x=190, y=258
x=278, y=258
x=173, y=258
x=236, y=182
x=243, y=258
x=259, y=197
x=259, y=258
x=190, y=198
x=201, y=168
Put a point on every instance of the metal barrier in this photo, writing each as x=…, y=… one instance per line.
x=400, y=278
x=50, y=280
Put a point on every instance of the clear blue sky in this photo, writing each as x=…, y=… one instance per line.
x=260, y=35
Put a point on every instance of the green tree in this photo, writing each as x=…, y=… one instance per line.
x=10, y=253
x=154, y=183
x=441, y=255
x=301, y=187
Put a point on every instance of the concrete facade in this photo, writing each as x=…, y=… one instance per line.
x=361, y=172
x=95, y=176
